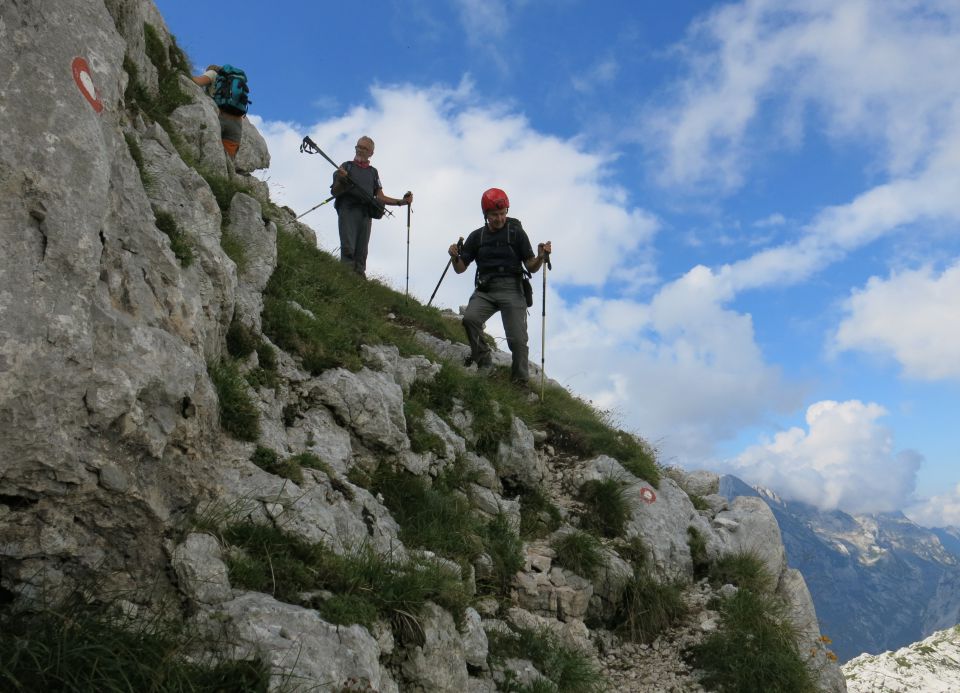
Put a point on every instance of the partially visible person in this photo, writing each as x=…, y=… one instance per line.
x=228, y=87
x=501, y=249
x=359, y=199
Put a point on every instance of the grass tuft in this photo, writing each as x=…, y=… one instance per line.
x=84, y=646
x=646, y=607
x=755, y=648
x=238, y=415
x=565, y=668
x=179, y=243
x=607, y=507
x=746, y=570
x=286, y=566
x=580, y=552
x=698, y=553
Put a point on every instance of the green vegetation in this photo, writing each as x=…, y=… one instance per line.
x=580, y=552
x=137, y=155
x=238, y=415
x=435, y=518
x=698, y=502
x=646, y=607
x=745, y=570
x=170, y=64
x=322, y=312
x=81, y=646
x=566, y=669
x=290, y=468
x=698, y=553
x=179, y=243
x=365, y=585
x=607, y=507
x=755, y=648
x=538, y=515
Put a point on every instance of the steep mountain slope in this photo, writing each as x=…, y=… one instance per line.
x=878, y=581
x=931, y=665
x=208, y=423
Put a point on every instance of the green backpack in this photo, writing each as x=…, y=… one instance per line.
x=230, y=90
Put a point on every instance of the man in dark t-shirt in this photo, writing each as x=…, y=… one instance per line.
x=355, y=185
x=501, y=248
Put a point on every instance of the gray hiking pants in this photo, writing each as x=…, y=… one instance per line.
x=503, y=294
x=354, y=224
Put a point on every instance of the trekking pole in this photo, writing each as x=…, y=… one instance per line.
x=315, y=206
x=308, y=146
x=409, y=210
x=543, y=326
x=449, y=262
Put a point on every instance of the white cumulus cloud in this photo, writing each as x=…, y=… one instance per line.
x=913, y=317
x=845, y=459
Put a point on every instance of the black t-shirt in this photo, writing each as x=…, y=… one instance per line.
x=498, y=252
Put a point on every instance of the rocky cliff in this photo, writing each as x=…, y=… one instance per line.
x=174, y=409
x=929, y=665
x=879, y=582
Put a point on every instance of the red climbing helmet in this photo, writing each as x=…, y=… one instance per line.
x=494, y=198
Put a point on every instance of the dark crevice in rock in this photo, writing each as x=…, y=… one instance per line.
x=18, y=502
x=187, y=408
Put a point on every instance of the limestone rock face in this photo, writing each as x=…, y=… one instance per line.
x=115, y=295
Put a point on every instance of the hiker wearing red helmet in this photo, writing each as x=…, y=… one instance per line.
x=502, y=251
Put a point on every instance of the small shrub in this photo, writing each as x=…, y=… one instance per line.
x=234, y=249
x=241, y=341
x=565, y=668
x=308, y=460
x=84, y=646
x=538, y=515
x=755, y=648
x=505, y=549
x=698, y=553
x=238, y=415
x=607, y=507
x=745, y=570
x=580, y=552
x=429, y=517
x=646, y=608
x=179, y=243
x=270, y=560
x=269, y=461
x=698, y=502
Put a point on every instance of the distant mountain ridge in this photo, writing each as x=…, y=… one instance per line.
x=878, y=581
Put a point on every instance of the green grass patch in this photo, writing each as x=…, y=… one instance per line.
x=698, y=553
x=238, y=415
x=83, y=646
x=179, y=243
x=755, y=649
x=577, y=427
x=607, y=506
x=744, y=569
x=290, y=468
x=567, y=669
x=170, y=64
x=646, y=608
x=287, y=566
x=505, y=549
x=430, y=517
x=580, y=552
x=538, y=515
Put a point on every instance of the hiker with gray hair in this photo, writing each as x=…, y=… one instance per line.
x=359, y=199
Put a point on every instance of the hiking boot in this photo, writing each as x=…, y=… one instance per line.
x=484, y=367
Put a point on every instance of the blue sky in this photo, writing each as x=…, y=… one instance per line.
x=754, y=206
